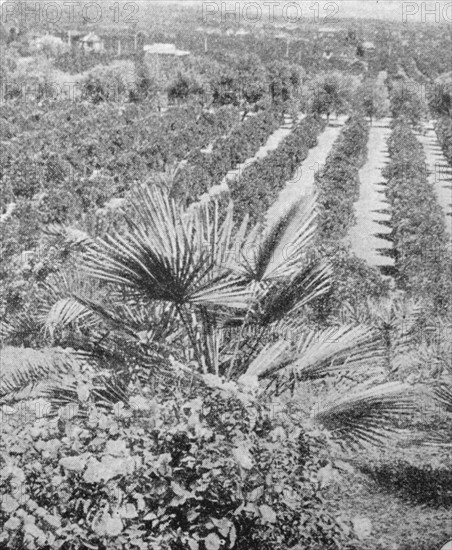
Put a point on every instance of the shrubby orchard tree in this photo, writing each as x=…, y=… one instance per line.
x=331, y=93
x=184, y=87
x=374, y=100
x=440, y=100
x=407, y=102
x=251, y=77
x=284, y=81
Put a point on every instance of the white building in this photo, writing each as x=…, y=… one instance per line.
x=92, y=43
x=164, y=49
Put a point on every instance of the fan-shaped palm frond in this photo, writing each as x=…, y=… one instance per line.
x=104, y=390
x=397, y=315
x=279, y=251
x=70, y=235
x=321, y=353
x=289, y=297
x=58, y=307
x=443, y=396
x=272, y=358
x=366, y=415
x=66, y=312
x=164, y=255
x=24, y=370
x=6, y=329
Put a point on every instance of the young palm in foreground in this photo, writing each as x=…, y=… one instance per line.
x=187, y=293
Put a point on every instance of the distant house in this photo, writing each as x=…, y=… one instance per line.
x=368, y=49
x=73, y=37
x=117, y=41
x=92, y=43
x=123, y=41
x=164, y=50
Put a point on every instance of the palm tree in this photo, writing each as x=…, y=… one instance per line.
x=185, y=292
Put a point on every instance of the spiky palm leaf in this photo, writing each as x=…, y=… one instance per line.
x=26, y=371
x=287, y=298
x=70, y=235
x=105, y=391
x=443, y=396
x=279, y=251
x=366, y=415
x=319, y=354
x=165, y=256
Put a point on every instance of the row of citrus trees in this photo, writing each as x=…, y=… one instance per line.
x=420, y=240
x=338, y=183
x=62, y=162
x=338, y=188
x=259, y=185
x=205, y=169
x=68, y=141
x=444, y=133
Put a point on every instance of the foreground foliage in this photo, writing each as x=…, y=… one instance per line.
x=168, y=473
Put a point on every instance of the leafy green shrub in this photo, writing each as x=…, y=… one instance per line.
x=169, y=474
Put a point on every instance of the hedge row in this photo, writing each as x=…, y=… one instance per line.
x=338, y=183
x=420, y=239
x=258, y=187
x=444, y=133
x=207, y=169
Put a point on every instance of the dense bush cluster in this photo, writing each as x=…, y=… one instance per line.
x=338, y=183
x=170, y=473
x=420, y=239
x=258, y=187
